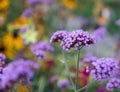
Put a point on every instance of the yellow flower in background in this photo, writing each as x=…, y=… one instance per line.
x=7, y=50
x=20, y=22
x=14, y=40
x=30, y=36
x=22, y=88
x=69, y=3
x=4, y=4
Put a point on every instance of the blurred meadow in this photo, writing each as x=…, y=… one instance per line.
x=29, y=24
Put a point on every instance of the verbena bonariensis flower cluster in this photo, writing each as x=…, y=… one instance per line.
x=113, y=83
x=74, y=39
x=17, y=71
x=39, y=49
x=63, y=83
x=106, y=69
x=89, y=59
x=2, y=58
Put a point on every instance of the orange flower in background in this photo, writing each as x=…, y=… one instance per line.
x=22, y=88
x=14, y=40
x=71, y=4
x=21, y=21
x=4, y=4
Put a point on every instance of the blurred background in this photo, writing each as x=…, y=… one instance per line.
x=26, y=22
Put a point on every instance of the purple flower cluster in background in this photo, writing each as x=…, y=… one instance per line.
x=118, y=22
x=63, y=83
x=33, y=1
x=53, y=79
x=89, y=59
x=58, y=36
x=104, y=68
x=100, y=33
x=39, y=49
x=113, y=83
x=30, y=2
x=74, y=39
x=2, y=58
x=17, y=70
x=27, y=13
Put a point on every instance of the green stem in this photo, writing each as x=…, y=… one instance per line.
x=67, y=69
x=82, y=88
x=77, y=67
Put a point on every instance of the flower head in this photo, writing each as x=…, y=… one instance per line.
x=39, y=53
x=118, y=22
x=33, y=1
x=45, y=46
x=2, y=57
x=113, y=83
x=89, y=58
x=53, y=79
x=27, y=12
x=104, y=68
x=39, y=48
x=100, y=32
x=76, y=39
x=58, y=36
x=63, y=83
x=17, y=70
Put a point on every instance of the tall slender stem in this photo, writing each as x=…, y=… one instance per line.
x=67, y=69
x=77, y=67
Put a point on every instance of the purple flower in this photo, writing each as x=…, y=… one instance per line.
x=104, y=68
x=76, y=39
x=89, y=58
x=100, y=32
x=2, y=57
x=113, y=83
x=63, y=83
x=33, y=1
x=27, y=12
x=58, y=36
x=39, y=1
x=39, y=53
x=40, y=48
x=118, y=22
x=53, y=79
x=45, y=46
x=82, y=20
x=23, y=30
x=17, y=70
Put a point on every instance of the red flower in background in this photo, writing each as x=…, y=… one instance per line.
x=46, y=64
x=83, y=76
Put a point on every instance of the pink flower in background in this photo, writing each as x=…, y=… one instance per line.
x=101, y=89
